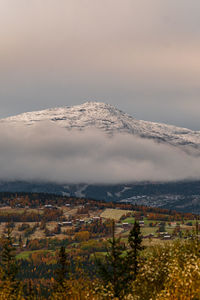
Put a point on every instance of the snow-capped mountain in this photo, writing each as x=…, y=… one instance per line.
x=183, y=195
x=110, y=120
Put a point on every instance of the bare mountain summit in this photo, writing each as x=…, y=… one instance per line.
x=110, y=120
x=183, y=195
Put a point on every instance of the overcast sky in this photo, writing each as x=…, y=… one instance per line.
x=143, y=56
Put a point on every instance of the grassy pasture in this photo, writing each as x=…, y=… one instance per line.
x=115, y=214
x=9, y=210
x=148, y=230
x=26, y=254
x=129, y=220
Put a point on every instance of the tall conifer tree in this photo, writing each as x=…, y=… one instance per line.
x=61, y=288
x=135, y=246
x=10, y=287
x=111, y=270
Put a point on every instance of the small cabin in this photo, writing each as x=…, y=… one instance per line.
x=167, y=237
x=68, y=223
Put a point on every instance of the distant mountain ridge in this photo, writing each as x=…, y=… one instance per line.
x=184, y=196
x=109, y=119
x=181, y=196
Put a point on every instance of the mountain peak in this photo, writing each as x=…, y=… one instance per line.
x=85, y=115
x=108, y=119
x=95, y=105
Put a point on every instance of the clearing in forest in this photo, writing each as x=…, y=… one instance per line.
x=116, y=214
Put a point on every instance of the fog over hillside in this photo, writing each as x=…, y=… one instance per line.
x=47, y=152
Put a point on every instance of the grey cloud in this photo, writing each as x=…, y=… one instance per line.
x=50, y=153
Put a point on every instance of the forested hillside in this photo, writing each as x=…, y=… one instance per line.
x=125, y=271
x=55, y=247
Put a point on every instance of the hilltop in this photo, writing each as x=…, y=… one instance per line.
x=109, y=119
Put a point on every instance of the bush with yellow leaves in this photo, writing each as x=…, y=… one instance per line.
x=183, y=282
x=169, y=272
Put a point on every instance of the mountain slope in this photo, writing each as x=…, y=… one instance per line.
x=38, y=161
x=181, y=196
x=110, y=120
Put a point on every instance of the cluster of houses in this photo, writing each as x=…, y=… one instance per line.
x=127, y=226
x=78, y=222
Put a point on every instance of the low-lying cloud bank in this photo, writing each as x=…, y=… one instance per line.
x=49, y=153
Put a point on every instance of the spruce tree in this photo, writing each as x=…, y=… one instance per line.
x=61, y=288
x=111, y=270
x=30, y=291
x=9, y=286
x=20, y=242
x=135, y=246
x=8, y=262
x=62, y=271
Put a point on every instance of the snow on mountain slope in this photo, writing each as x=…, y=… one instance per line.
x=110, y=120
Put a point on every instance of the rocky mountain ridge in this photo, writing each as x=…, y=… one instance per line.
x=109, y=119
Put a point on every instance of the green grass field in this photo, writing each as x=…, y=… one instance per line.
x=26, y=254
x=130, y=220
x=148, y=230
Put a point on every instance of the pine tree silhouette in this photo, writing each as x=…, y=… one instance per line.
x=135, y=246
x=61, y=287
x=10, y=287
x=8, y=262
x=112, y=269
